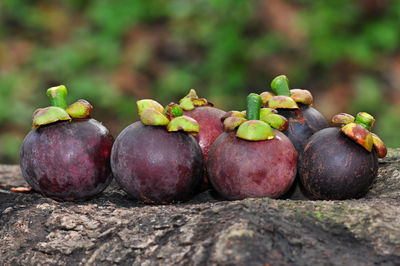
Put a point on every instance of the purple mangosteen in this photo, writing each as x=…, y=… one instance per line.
x=251, y=159
x=342, y=163
x=209, y=119
x=304, y=120
x=66, y=155
x=157, y=159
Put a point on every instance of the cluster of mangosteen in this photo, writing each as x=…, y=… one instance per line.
x=278, y=143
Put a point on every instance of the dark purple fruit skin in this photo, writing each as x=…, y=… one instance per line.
x=209, y=119
x=240, y=169
x=155, y=165
x=333, y=166
x=302, y=124
x=67, y=160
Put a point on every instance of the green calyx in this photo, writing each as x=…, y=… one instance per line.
x=231, y=123
x=152, y=117
x=358, y=129
x=184, y=123
x=266, y=111
x=144, y=104
x=280, y=101
x=286, y=98
x=271, y=117
x=359, y=134
x=58, y=96
x=301, y=96
x=47, y=115
x=265, y=96
x=258, y=123
x=173, y=110
x=58, y=110
x=233, y=113
x=255, y=130
x=186, y=104
x=191, y=101
x=80, y=109
x=343, y=119
x=379, y=146
x=276, y=121
x=154, y=114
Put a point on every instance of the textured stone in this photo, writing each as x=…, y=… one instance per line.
x=113, y=229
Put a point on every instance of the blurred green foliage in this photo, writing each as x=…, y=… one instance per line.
x=115, y=52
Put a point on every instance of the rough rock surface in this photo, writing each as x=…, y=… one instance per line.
x=112, y=229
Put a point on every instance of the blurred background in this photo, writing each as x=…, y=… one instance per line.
x=346, y=52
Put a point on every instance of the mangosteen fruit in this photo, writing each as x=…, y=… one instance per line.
x=66, y=155
x=157, y=159
x=252, y=159
x=209, y=119
x=342, y=163
x=304, y=120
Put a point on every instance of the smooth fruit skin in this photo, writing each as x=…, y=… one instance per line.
x=155, y=165
x=209, y=119
x=67, y=160
x=333, y=166
x=240, y=169
x=303, y=123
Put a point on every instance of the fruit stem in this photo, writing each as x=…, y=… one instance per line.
x=366, y=120
x=58, y=96
x=280, y=85
x=254, y=103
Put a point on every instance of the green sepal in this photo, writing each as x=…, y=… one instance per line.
x=266, y=111
x=265, y=96
x=192, y=94
x=379, y=146
x=276, y=121
x=359, y=134
x=144, y=104
x=184, y=123
x=255, y=130
x=152, y=117
x=57, y=96
x=302, y=96
x=366, y=120
x=172, y=110
x=280, y=85
x=186, y=104
x=200, y=102
x=233, y=114
x=233, y=122
x=343, y=119
x=80, y=109
x=281, y=101
x=48, y=115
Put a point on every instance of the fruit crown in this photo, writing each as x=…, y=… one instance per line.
x=58, y=111
x=154, y=114
x=191, y=101
x=359, y=130
x=256, y=123
x=285, y=98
